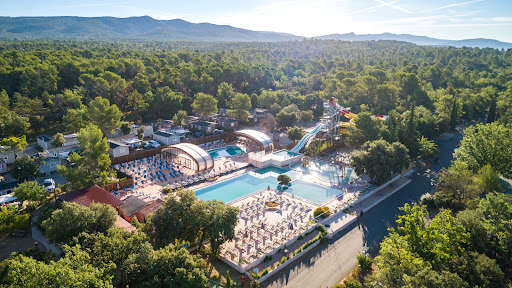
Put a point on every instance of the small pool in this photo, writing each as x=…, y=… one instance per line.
x=313, y=192
x=286, y=154
x=271, y=168
x=227, y=151
x=329, y=173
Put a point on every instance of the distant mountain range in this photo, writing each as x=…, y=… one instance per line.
x=419, y=40
x=147, y=28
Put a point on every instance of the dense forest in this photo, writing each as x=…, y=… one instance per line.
x=46, y=85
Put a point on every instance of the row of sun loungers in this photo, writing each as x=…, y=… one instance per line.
x=150, y=170
x=259, y=237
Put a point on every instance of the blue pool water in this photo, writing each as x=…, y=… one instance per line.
x=227, y=151
x=240, y=186
x=313, y=192
x=329, y=173
x=235, y=188
x=271, y=169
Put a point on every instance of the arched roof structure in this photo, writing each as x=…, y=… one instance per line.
x=202, y=158
x=261, y=138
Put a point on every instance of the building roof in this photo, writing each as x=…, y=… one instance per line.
x=202, y=123
x=202, y=158
x=132, y=205
x=123, y=224
x=45, y=138
x=163, y=134
x=7, y=198
x=151, y=207
x=256, y=135
x=47, y=156
x=114, y=144
x=88, y=195
x=228, y=120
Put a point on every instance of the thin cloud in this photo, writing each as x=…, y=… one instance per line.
x=390, y=4
x=373, y=7
x=451, y=6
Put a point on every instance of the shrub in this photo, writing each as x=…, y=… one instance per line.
x=166, y=190
x=271, y=204
x=323, y=212
x=267, y=258
x=284, y=259
x=365, y=262
x=300, y=237
x=11, y=218
x=353, y=283
x=428, y=200
x=321, y=228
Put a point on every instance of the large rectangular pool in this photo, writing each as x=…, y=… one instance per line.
x=235, y=188
x=240, y=186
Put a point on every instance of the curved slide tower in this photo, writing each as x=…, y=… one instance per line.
x=306, y=138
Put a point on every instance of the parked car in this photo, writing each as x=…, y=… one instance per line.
x=154, y=143
x=146, y=145
x=217, y=131
x=49, y=184
x=198, y=134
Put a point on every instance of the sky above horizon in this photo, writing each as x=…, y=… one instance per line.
x=446, y=19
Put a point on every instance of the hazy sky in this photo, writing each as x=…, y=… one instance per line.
x=449, y=19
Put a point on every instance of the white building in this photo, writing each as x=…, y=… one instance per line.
x=118, y=149
x=166, y=138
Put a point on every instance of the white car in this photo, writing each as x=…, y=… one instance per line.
x=154, y=143
x=49, y=184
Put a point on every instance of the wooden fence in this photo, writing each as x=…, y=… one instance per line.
x=136, y=155
x=125, y=183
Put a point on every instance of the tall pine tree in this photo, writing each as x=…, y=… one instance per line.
x=491, y=116
x=410, y=136
x=454, y=114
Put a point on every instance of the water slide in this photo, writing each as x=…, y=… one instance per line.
x=306, y=138
x=334, y=107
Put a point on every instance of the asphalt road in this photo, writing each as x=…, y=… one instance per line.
x=330, y=263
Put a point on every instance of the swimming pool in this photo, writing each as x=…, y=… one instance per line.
x=240, y=186
x=271, y=168
x=227, y=151
x=313, y=192
x=235, y=188
x=329, y=173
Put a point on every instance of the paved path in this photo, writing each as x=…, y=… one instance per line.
x=38, y=235
x=329, y=263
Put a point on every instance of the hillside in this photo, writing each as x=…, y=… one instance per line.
x=419, y=40
x=109, y=28
x=147, y=28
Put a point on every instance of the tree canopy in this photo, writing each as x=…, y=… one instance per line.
x=487, y=145
x=379, y=160
x=93, y=165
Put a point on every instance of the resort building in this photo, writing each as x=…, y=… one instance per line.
x=227, y=123
x=44, y=141
x=203, y=126
x=117, y=149
x=255, y=139
x=166, y=138
x=189, y=155
x=91, y=194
